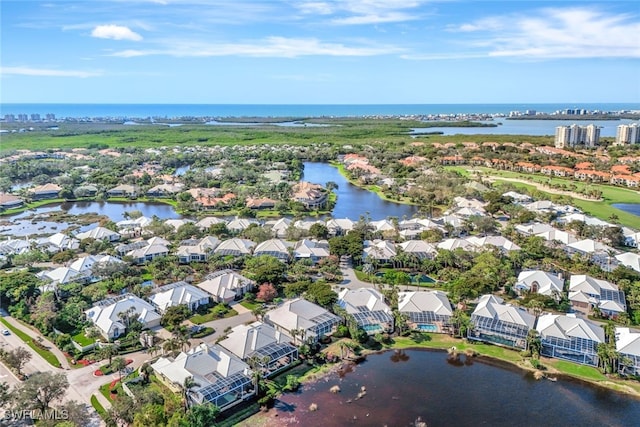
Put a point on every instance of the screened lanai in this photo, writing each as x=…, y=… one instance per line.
x=498, y=332
x=273, y=357
x=223, y=392
x=576, y=349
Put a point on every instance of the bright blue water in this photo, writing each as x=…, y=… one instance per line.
x=354, y=202
x=632, y=208
x=427, y=327
x=527, y=127
x=282, y=110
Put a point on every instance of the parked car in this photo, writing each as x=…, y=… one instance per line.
x=5, y=332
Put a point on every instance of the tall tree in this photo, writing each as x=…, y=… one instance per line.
x=40, y=390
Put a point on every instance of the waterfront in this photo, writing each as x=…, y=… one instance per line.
x=402, y=387
x=632, y=208
x=526, y=127
x=354, y=202
x=290, y=110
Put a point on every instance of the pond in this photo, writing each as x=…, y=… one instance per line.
x=353, y=201
x=405, y=386
x=632, y=208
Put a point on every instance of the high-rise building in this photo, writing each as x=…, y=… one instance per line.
x=571, y=136
x=628, y=134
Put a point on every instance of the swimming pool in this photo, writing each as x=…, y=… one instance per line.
x=372, y=328
x=427, y=327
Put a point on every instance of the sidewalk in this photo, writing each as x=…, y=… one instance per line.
x=35, y=334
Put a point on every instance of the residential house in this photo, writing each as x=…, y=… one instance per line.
x=457, y=243
x=148, y=253
x=123, y=190
x=177, y=223
x=279, y=228
x=263, y=347
x=235, y=247
x=629, y=259
x=340, y=226
x=540, y=282
x=238, y=225
x=220, y=377
x=9, y=201
x=57, y=243
x=260, y=203
x=368, y=309
x=499, y=323
x=315, y=250
x=198, y=252
x=312, y=196
x=379, y=251
x=570, y=338
x=275, y=247
x=419, y=249
x=165, y=190
x=226, y=285
x=44, y=192
x=587, y=293
x=426, y=311
x=503, y=244
x=628, y=346
x=179, y=293
x=60, y=276
x=302, y=320
x=99, y=233
x=208, y=221
x=110, y=315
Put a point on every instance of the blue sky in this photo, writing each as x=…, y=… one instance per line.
x=319, y=52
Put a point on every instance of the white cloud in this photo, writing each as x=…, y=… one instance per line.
x=361, y=12
x=558, y=33
x=277, y=47
x=46, y=72
x=115, y=32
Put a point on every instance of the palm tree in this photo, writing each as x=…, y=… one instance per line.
x=188, y=384
x=118, y=365
x=534, y=344
x=107, y=352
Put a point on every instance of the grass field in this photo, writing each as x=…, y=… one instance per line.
x=46, y=354
x=98, y=407
x=599, y=209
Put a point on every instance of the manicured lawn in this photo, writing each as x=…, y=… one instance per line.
x=580, y=371
x=98, y=407
x=250, y=305
x=83, y=340
x=212, y=314
x=46, y=354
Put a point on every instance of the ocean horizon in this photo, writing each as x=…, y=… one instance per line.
x=167, y=111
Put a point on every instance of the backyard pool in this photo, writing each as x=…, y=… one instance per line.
x=372, y=328
x=427, y=327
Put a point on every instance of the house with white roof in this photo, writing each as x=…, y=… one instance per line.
x=570, y=338
x=61, y=276
x=220, y=377
x=58, y=242
x=419, y=248
x=302, y=320
x=499, y=323
x=631, y=237
x=274, y=247
x=177, y=223
x=588, y=220
x=235, y=247
x=628, y=346
x=426, y=311
x=198, y=252
x=382, y=251
x=179, y=293
x=123, y=190
x=109, y=315
x=457, y=243
x=587, y=293
x=99, y=233
x=148, y=253
x=238, y=225
x=226, y=285
x=340, y=226
x=208, y=221
x=533, y=228
x=315, y=250
x=368, y=309
x=280, y=227
x=629, y=259
x=540, y=282
x=600, y=254
x=263, y=347
x=502, y=243
x=382, y=225
x=558, y=235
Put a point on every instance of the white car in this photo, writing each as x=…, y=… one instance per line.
x=5, y=332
